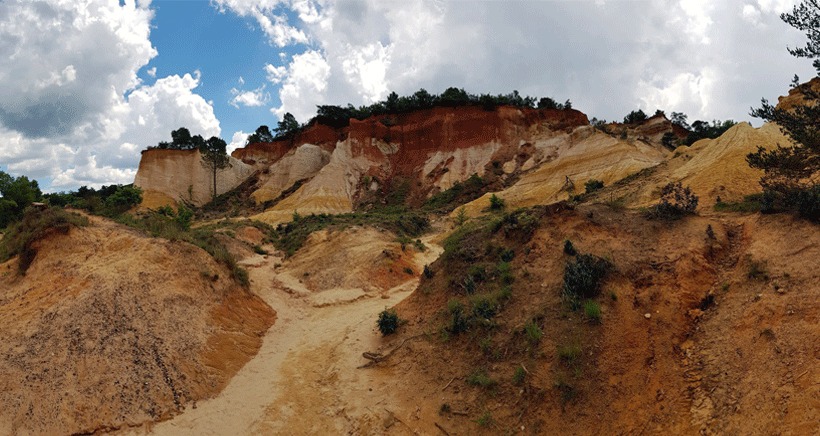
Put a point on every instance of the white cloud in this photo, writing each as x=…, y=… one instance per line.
x=776, y=6
x=152, y=72
x=270, y=15
x=304, y=84
x=275, y=74
x=254, y=98
x=238, y=140
x=366, y=67
x=699, y=20
x=72, y=109
x=687, y=92
x=751, y=14
x=708, y=59
x=61, y=64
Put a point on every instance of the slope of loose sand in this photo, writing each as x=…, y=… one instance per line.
x=587, y=154
x=109, y=328
x=305, y=378
x=712, y=168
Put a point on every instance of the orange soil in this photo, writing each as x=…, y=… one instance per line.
x=109, y=328
x=748, y=364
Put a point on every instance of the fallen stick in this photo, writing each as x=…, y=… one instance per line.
x=448, y=384
x=377, y=357
x=442, y=429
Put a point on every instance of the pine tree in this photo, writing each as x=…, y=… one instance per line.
x=791, y=179
x=215, y=157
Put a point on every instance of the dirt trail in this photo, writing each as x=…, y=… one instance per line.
x=305, y=379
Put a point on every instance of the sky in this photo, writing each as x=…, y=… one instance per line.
x=85, y=85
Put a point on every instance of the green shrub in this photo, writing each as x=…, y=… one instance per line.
x=485, y=420
x=569, y=249
x=669, y=140
x=465, y=242
x=518, y=225
x=496, y=203
x=388, y=322
x=480, y=378
x=750, y=204
x=124, y=198
x=676, y=202
x=166, y=210
x=757, y=271
x=469, y=285
x=484, y=306
x=592, y=310
x=459, y=322
x=461, y=217
x=569, y=353
x=593, y=185
x=533, y=332
x=478, y=273
x=427, y=272
x=808, y=203
x=583, y=277
x=184, y=216
x=568, y=391
x=636, y=116
x=33, y=226
x=519, y=375
x=507, y=255
x=505, y=273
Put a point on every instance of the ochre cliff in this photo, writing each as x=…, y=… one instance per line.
x=323, y=169
x=179, y=175
x=427, y=150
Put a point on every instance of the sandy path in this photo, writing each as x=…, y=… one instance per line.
x=305, y=380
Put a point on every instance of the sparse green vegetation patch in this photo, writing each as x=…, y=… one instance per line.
x=749, y=204
x=35, y=225
x=290, y=237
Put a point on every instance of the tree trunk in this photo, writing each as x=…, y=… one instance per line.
x=214, y=182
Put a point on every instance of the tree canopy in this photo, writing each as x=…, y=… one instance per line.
x=636, y=116
x=262, y=134
x=17, y=194
x=338, y=116
x=215, y=158
x=287, y=127
x=181, y=139
x=791, y=179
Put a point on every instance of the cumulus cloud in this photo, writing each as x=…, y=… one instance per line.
x=271, y=17
x=51, y=85
x=72, y=109
x=303, y=85
x=238, y=140
x=253, y=98
x=708, y=59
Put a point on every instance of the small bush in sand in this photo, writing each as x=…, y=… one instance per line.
x=388, y=322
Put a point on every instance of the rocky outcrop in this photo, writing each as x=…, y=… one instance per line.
x=299, y=164
x=328, y=170
x=570, y=160
x=179, y=175
x=429, y=150
x=797, y=94
x=718, y=168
